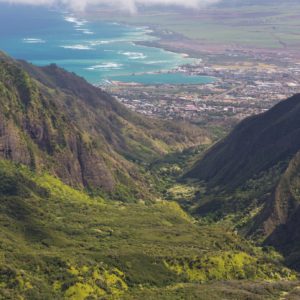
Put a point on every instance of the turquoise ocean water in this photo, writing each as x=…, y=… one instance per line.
x=98, y=51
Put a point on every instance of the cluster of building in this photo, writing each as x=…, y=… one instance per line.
x=241, y=88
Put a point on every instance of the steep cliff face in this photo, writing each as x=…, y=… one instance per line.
x=37, y=131
x=255, y=145
x=51, y=119
x=255, y=174
x=282, y=221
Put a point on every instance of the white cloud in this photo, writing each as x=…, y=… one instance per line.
x=129, y=5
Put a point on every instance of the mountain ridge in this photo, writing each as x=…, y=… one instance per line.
x=82, y=207
x=254, y=174
x=51, y=119
x=253, y=139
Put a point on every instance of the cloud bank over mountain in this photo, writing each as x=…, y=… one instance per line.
x=129, y=5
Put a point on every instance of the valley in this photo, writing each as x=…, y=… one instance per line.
x=60, y=243
x=163, y=161
x=136, y=231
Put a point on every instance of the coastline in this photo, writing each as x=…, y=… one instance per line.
x=157, y=42
x=160, y=39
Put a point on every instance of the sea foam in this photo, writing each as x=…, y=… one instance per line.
x=77, y=47
x=105, y=66
x=75, y=21
x=33, y=41
x=134, y=55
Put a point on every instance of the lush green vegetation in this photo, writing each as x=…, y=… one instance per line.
x=56, y=121
x=115, y=228
x=60, y=243
x=233, y=290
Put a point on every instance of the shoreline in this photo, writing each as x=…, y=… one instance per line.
x=198, y=49
x=157, y=42
x=152, y=37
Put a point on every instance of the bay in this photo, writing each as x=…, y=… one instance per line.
x=101, y=52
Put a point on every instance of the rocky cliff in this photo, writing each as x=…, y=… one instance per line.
x=254, y=174
x=52, y=120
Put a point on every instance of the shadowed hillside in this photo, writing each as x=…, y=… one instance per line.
x=53, y=120
x=255, y=145
x=253, y=175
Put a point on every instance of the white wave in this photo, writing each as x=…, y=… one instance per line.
x=33, y=41
x=77, y=47
x=78, y=25
x=104, y=42
x=85, y=31
x=128, y=39
x=75, y=21
x=155, y=62
x=88, y=32
x=105, y=66
x=134, y=55
x=97, y=43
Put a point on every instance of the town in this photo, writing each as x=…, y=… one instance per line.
x=243, y=86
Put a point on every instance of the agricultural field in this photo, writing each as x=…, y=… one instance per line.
x=258, y=26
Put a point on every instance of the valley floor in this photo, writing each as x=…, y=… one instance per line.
x=59, y=243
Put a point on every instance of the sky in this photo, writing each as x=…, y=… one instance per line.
x=129, y=5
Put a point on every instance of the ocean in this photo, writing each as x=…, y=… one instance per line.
x=101, y=52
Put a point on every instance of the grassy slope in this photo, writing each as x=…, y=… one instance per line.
x=242, y=175
x=58, y=243
x=56, y=121
x=251, y=179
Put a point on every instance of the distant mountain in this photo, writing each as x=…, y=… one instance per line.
x=255, y=173
x=52, y=120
